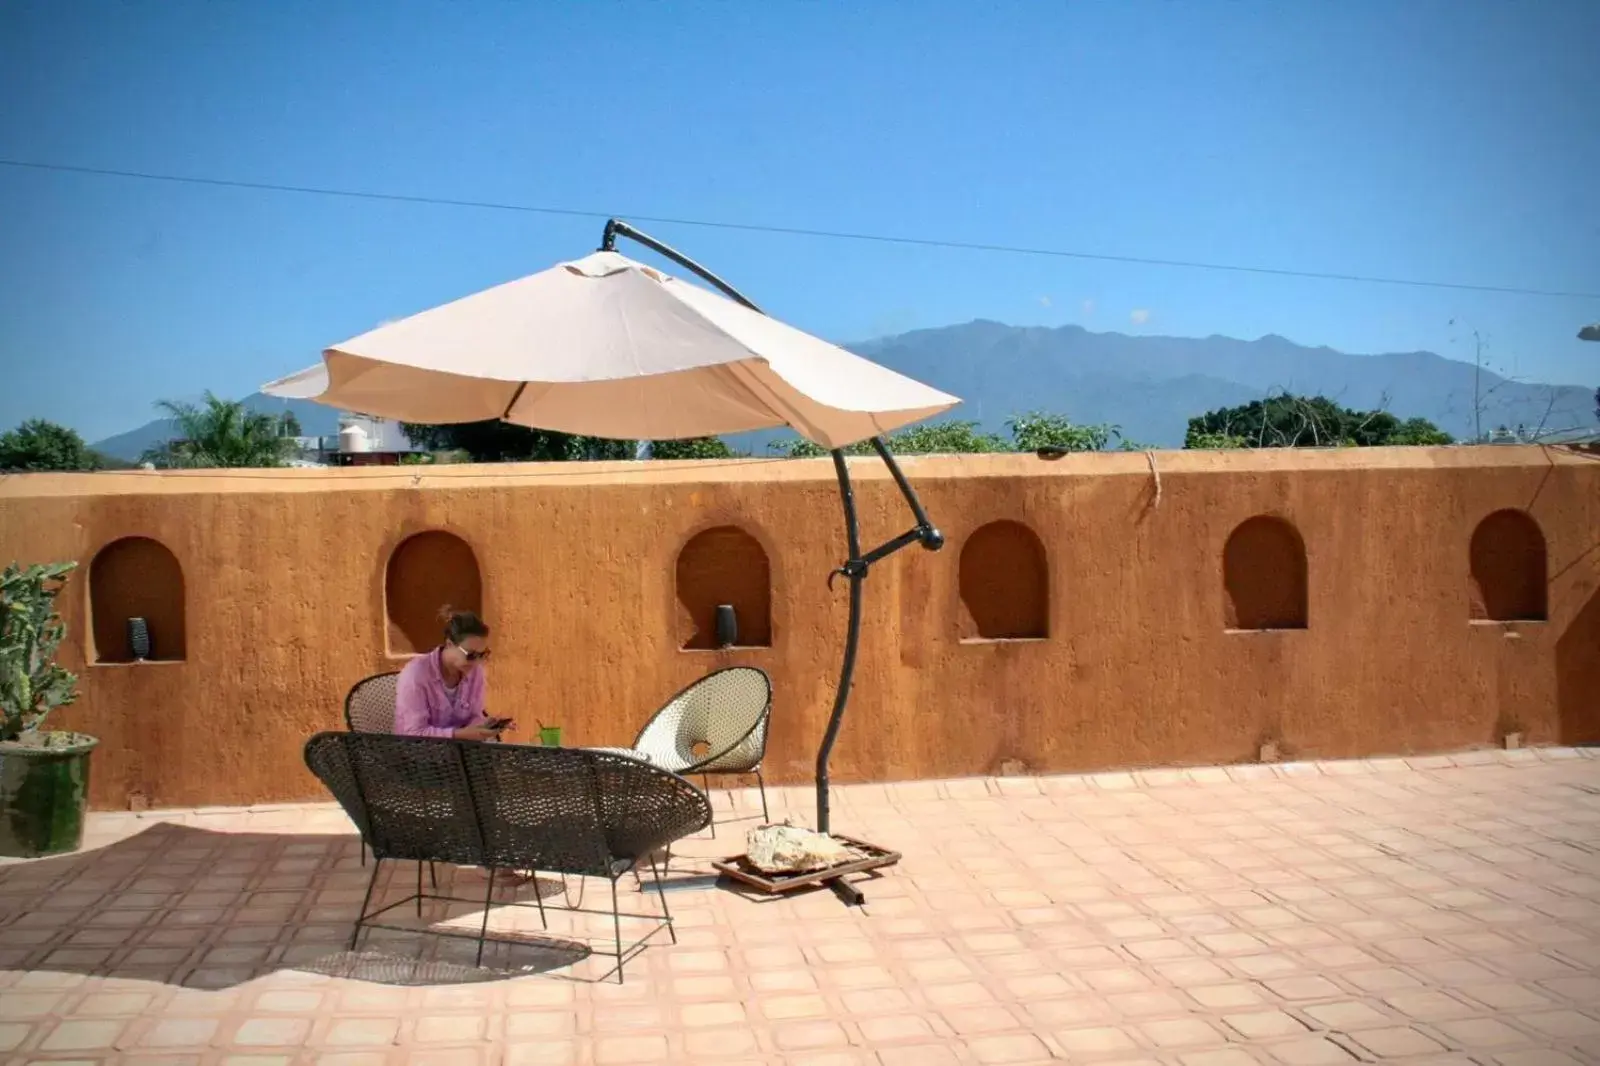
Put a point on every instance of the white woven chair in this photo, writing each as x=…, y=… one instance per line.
x=718, y=725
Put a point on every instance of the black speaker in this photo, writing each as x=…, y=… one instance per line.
x=727, y=626
x=139, y=638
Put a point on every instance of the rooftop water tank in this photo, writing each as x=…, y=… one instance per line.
x=352, y=438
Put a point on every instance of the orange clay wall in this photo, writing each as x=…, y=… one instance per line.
x=1085, y=614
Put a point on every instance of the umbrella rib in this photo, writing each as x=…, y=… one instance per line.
x=515, y=396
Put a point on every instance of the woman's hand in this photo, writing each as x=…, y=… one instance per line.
x=476, y=732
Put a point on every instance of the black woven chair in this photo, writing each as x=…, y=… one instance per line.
x=369, y=708
x=507, y=807
x=718, y=725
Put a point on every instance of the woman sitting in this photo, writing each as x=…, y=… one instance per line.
x=441, y=694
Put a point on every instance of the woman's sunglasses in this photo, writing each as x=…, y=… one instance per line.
x=473, y=656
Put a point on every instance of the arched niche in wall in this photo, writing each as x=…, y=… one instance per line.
x=1508, y=564
x=725, y=565
x=1264, y=575
x=1005, y=584
x=427, y=572
x=137, y=577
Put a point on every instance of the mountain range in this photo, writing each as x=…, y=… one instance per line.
x=1149, y=386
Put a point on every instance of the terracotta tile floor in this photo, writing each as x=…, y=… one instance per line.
x=1432, y=911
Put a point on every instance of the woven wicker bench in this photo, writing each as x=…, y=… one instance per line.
x=506, y=807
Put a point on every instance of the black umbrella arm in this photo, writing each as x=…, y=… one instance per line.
x=857, y=564
x=618, y=228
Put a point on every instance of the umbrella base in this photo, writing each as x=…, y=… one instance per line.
x=740, y=869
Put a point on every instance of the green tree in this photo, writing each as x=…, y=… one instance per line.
x=693, y=448
x=494, y=441
x=37, y=445
x=1036, y=430
x=1208, y=440
x=926, y=438
x=219, y=433
x=1419, y=431
x=1029, y=432
x=1288, y=421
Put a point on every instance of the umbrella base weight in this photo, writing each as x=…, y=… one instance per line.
x=848, y=893
x=740, y=869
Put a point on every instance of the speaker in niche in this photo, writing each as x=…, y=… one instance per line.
x=139, y=639
x=727, y=626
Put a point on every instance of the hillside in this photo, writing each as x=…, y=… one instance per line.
x=1150, y=386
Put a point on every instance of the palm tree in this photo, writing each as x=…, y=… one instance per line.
x=219, y=433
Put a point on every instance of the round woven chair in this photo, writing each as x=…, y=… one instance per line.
x=718, y=725
x=369, y=708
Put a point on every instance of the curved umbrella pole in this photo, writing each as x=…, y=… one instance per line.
x=856, y=565
x=855, y=570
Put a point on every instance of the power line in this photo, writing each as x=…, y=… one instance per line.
x=794, y=231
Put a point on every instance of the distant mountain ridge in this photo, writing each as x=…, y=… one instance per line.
x=1150, y=386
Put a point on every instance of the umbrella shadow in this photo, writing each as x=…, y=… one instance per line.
x=198, y=908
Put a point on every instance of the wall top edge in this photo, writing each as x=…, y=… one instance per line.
x=798, y=471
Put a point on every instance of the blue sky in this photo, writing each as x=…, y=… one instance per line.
x=1440, y=139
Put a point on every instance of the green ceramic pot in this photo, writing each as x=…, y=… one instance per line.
x=44, y=794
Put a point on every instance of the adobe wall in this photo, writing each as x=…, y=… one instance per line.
x=1127, y=643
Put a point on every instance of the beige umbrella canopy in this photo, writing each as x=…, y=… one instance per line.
x=607, y=347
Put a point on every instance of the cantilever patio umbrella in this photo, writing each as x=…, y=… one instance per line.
x=605, y=346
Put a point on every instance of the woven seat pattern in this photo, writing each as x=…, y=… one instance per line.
x=369, y=706
x=505, y=806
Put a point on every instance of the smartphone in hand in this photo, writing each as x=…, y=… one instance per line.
x=497, y=724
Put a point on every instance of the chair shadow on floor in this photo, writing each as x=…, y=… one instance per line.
x=194, y=907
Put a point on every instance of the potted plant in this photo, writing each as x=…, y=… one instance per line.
x=44, y=776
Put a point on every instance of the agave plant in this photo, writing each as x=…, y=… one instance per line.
x=32, y=683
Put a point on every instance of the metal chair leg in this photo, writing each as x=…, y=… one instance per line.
x=705, y=779
x=419, y=888
x=538, y=897
x=661, y=890
x=761, y=783
x=616, y=927
x=433, y=876
x=372, y=882
x=488, y=901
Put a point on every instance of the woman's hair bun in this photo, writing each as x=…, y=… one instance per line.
x=459, y=625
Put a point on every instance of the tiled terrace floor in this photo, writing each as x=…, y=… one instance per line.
x=1431, y=912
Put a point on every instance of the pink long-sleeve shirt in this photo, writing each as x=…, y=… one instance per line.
x=424, y=707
